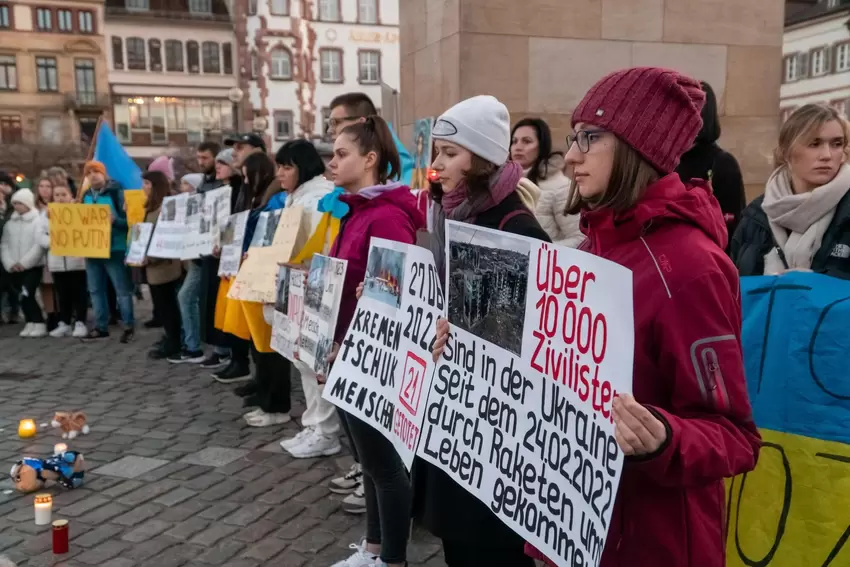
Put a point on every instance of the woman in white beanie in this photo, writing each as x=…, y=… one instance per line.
x=477, y=185
x=23, y=257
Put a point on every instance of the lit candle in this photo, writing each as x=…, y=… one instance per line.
x=26, y=429
x=59, y=448
x=43, y=509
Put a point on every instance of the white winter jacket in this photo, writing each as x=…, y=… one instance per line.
x=23, y=238
x=308, y=195
x=554, y=195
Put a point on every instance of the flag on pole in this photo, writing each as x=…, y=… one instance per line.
x=119, y=166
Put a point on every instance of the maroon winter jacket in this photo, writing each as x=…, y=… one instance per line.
x=389, y=212
x=688, y=369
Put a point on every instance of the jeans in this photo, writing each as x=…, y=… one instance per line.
x=98, y=275
x=189, y=299
x=73, y=296
x=164, y=296
x=386, y=488
x=26, y=283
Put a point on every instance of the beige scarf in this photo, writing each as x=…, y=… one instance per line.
x=805, y=215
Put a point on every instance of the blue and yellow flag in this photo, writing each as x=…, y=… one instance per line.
x=119, y=165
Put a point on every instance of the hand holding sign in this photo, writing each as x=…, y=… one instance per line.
x=442, y=338
x=637, y=430
x=359, y=292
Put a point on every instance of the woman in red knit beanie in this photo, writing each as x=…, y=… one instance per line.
x=689, y=423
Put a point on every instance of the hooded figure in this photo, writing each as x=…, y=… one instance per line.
x=706, y=160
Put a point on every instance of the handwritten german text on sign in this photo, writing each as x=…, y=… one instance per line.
x=81, y=231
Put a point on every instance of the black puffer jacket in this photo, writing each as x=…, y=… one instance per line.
x=753, y=239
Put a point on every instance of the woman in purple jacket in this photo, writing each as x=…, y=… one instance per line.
x=365, y=158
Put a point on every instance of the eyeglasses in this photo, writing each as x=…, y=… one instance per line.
x=334, y=122
x=583, y=139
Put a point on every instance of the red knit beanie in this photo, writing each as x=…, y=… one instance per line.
x=655, y=111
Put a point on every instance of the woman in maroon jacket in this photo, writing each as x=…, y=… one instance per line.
x=365, y=158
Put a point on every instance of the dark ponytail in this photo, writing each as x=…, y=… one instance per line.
x=373, y=135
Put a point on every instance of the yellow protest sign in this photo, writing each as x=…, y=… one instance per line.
x=135, y=200
x=82, y=231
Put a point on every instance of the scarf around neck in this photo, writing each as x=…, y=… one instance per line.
x=456, y=206
x=799, y=221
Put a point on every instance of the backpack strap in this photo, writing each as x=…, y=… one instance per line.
x=512, y=214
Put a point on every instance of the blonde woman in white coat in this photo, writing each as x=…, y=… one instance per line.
x=22, y=253
x=300, y=171
x=531, y=147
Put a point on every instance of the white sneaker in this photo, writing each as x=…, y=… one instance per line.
x=360, y=557
x=253, y=413
x=61, y=330
x=316, y=445
x=298, y=438
x=80, y=330
x=39, y=330
x=26, y=330
x=263, y=419
x=355, y=503
x=347, y=483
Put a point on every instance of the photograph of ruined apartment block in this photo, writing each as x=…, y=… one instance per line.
x=488, y=272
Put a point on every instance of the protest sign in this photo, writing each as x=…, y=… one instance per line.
x=519, y=413
x=288, y=311
x=198, y=240
x=231, y=244
x=170, y=230
x=277, y=243
x=135, y=200
x=384, y=367
x=792, y=509
x=217, y=204
x=80, y=231
x=321, y=308
x=140, y=237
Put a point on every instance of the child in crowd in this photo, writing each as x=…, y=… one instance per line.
x=190, y=182
x=69, y=281
x=43, y=197
x=365, y=158
x=22, y=254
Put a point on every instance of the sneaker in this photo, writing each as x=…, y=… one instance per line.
x=187, y=356
x=287, y=444
x=252, y=413
x=215, y=360
x=25, y=332
x=80, y=330
x=316, y=445
x=355, y=503
x=234, y=372
x=360, y=557
x=95, y=334
x=127, y=335
x=62, y=330
x=263, y=419
x=39, y=330
x=347, y=483
x=160, y=353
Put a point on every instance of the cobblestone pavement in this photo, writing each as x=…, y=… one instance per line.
x=176, y=477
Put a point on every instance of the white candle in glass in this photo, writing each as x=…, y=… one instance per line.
x=43, y=509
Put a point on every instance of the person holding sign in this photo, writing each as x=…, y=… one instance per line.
x=364, y=160
x=800, y=223
x=105, y=191
x=479, y=185
x=689, y=424
x=163, y=275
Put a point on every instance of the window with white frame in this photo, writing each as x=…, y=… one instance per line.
x=86, y=21
x=8, y=73
x=283, y=124
x=842, y=57
x=281, y=64
x=819, y=62
x=65, y=20
x=200, y=6
x=329, y=10
x=331, y=64
x=137, y=4
x=51, y=129
x=369, y=65
x=280, y=7
x=792, y=68
x=367, y=11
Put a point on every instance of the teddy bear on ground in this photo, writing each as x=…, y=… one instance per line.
x=67, y=468
x=71, y=423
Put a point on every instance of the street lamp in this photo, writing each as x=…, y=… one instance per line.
x=235, y=96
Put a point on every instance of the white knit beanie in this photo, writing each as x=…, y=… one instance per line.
x=480, y=124
x=24, y=197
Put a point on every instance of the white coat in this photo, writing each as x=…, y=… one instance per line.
x=23, y=238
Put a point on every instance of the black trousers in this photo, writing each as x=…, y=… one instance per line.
x=25, y=284
x=272, y=375
x=463, y=555
x=72, y=291
x=239, y=349
x=7, y=289
x=164, y=297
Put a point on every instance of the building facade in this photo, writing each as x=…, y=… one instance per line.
x=53, y=75
x=300, y=54
x=172, y=66
x=816, y=57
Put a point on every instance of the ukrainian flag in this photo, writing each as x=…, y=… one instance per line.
x=119, y=166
